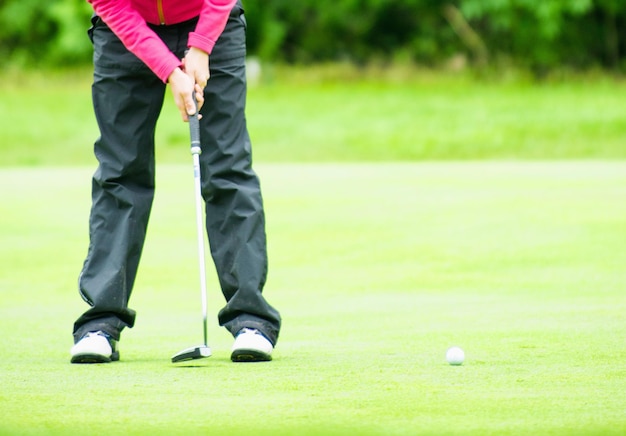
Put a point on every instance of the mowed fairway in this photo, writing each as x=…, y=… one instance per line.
x=377, y=269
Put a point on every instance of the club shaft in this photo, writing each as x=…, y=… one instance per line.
x=195, y=152
x=200, y=232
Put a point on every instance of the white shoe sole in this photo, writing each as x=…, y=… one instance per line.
x=95, y=358
x=249, y=355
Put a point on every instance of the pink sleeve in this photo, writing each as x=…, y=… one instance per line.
x=211, y=24
x=136, y=36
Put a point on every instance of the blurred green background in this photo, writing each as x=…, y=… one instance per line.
x=340, y=113
x=367, y=80
x=539, y=35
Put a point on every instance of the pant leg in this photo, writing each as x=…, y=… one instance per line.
x=127, y=100
x=234, y=206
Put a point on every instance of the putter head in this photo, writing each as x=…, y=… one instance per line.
x=193, y=353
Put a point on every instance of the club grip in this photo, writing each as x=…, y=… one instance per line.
x=194, y=129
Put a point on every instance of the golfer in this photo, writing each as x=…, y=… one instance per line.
x=140, y=46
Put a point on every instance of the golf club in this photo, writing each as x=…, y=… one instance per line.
x=200, y=351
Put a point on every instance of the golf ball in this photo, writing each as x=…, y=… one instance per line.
x=455, y=356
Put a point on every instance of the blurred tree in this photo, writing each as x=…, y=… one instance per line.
x=538, y=34
x=32, y=31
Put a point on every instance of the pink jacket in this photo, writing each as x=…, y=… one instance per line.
x=128, y=18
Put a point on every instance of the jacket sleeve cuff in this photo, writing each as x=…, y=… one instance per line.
x=164, y=70
x=202, y=42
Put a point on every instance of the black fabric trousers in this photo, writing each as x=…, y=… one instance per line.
x=127, y=100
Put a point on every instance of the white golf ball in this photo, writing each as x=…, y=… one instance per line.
x=455, y=356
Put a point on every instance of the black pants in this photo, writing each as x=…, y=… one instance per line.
x=127, y=99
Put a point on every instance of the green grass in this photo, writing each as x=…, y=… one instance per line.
x=377, y=269
x=330, y=114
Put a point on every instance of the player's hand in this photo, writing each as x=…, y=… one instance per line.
x=196, y=65
x=183, y=87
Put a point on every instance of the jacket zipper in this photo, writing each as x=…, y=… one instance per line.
x=160, y=11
